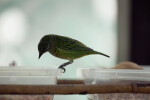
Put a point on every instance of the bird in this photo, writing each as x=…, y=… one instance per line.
x=65, y=48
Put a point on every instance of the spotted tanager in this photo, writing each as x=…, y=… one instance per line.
x=64, y=48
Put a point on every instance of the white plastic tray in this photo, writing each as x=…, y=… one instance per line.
x=28, y=75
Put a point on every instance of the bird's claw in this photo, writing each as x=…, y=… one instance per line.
x=64, y=70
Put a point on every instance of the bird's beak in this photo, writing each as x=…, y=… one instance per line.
x=40, y=54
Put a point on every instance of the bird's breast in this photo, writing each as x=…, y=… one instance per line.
x=58, y=54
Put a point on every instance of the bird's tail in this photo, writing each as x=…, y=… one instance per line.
x=101, y=54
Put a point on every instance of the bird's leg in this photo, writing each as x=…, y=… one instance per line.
x=65, y=64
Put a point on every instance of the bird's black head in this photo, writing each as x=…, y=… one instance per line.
x=44, y=45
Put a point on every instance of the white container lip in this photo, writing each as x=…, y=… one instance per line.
x=123, y=74
x=29, y=71
x=120, y=74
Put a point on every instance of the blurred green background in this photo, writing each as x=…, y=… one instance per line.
x=24, y=22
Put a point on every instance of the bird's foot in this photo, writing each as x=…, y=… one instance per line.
x=65, y=64
x=64, y=70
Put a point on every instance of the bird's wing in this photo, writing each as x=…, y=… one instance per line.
x=74, y=45
x=66, y=43
x=71, y=49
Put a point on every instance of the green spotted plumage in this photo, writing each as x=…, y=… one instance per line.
x=64, y=47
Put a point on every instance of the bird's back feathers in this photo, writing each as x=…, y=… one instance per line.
x=68, y=48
